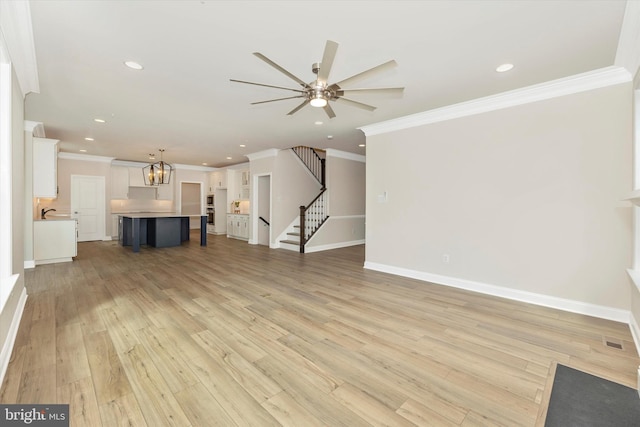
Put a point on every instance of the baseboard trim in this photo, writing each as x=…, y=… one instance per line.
x=7, y=348
x=338, y=245
x=572, y=306
x=53, y=260
x=635, y=331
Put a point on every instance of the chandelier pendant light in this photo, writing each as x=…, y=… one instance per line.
x=157, y=173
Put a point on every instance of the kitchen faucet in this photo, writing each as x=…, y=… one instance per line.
x=44, y=211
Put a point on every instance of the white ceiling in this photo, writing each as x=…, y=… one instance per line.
x=183, y=101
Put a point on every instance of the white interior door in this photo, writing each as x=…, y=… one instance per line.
x=88, y=206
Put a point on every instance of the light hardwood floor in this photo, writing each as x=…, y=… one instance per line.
x=236, y=334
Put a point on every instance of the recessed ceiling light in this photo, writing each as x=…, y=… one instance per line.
x=329, y=136
x=204, y=164
x=361, y=145
x=229, y=158
x=317, y=123
x=99, y=120
x=133, y=65
x=504, y=67
x=89, y=139
x=83, y=151
x=242, y=145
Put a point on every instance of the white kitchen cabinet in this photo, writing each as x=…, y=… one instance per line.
x=238, y=226
x=45, y=168
x=136, y=178
x=222, y=179
x=217, y=179
x=54, y=240
x=119, y=182
x=244, y=227
x=244, y=185
x=238, y=184
x=115, y=221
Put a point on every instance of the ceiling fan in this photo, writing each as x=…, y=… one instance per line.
x=318, y=93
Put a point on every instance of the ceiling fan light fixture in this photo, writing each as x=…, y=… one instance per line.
x=317, y=97
x=318, y=102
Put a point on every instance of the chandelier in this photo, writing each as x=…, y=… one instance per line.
x=157, y=173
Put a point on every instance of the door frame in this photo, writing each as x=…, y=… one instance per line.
x=255, y=204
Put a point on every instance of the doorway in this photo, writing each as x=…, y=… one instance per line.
x=88, y=206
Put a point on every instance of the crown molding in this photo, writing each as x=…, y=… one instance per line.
x=128, y=163
x=552, y=89
x=331, y=152
x=628, y=53
x=238, y=166
x=16, y=37
x=272, y=152
x=178, y=166
x=84, y=157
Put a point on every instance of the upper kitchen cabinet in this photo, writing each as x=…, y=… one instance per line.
x=136, y=177
x=45, y=168
x=238, y=181
x=119, y=182
x=217, y=179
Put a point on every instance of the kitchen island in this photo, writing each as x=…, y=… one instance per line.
x=159, y=230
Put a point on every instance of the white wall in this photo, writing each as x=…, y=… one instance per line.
x=346, y=178
x=12, y=291
x=68, y=167
x=525, y=201
x=292, y=186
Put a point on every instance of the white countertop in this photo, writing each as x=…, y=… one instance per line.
x=155, y=215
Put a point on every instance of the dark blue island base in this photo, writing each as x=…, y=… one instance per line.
x=157, y=230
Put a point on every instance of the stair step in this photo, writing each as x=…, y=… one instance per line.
x=290, y=242
x=294, y=234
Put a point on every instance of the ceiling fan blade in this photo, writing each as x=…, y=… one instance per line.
x=279, y=99
x=327, y=109
x=367, y=73
x=355, y=104
x=262, y=84
x=387, y=90
x=329, y=55
x=282, y=70
x=298, y=108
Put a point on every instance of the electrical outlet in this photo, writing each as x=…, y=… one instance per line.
x=445, y=258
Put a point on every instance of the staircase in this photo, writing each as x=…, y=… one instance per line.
x=292, y=242
x=314, y=214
